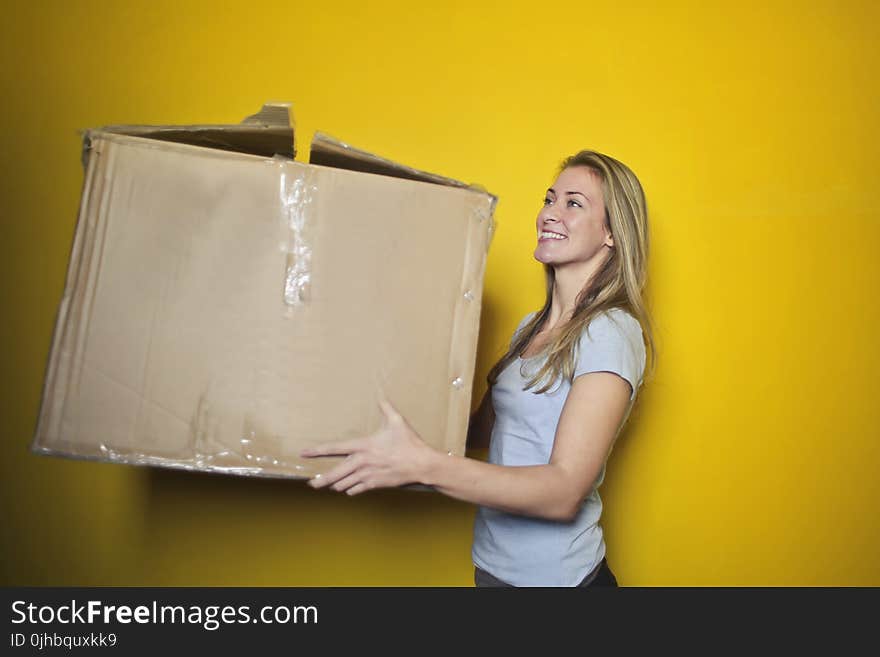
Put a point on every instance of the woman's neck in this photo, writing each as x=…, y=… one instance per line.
x=568, y=282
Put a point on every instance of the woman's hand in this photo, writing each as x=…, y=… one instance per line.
x=392, y=456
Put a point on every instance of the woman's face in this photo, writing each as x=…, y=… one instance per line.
x=571, y=225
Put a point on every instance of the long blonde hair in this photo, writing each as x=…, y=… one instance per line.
x=620, y=283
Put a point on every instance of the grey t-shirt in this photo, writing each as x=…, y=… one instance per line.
x=526, y=551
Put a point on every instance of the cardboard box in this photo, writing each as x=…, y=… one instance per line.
x=226, y=306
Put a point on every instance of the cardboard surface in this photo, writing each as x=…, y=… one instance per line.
x=176, y=343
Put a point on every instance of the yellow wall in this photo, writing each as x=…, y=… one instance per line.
x=752, y=457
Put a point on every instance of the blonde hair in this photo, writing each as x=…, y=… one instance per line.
x=620, y=283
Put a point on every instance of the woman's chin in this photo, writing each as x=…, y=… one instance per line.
x=542, y=256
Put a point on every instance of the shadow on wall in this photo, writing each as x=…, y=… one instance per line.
x=214, y=529
x=491, y=344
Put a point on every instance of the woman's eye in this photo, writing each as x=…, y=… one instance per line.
x=548, y=201
x=575, y=204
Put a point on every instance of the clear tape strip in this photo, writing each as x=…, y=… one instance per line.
x=297, y=193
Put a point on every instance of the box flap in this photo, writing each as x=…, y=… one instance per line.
x=330, y=152
x=267, y=133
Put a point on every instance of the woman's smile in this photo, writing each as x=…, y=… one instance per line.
x=547, y=235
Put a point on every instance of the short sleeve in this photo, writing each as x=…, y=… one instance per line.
x=613, y=343
x=525, y=320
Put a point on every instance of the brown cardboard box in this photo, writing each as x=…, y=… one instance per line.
x=226, y=306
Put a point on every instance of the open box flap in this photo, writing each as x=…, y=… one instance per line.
x=267, y=133
x=331, y=152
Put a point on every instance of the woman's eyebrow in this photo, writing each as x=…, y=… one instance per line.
x=550, y=189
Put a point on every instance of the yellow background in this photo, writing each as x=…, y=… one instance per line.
x=751, y=458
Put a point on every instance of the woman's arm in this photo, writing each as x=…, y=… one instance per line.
x=481, y=423
x=395, y=455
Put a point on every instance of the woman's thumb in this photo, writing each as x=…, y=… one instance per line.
x=388, y=410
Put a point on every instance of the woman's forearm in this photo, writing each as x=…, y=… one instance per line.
x=538, y=490
x=395, y=455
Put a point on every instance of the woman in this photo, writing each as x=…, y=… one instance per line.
x=556, y=400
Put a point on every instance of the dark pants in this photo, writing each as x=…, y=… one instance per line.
x=600, y=576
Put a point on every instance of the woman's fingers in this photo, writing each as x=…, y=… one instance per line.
x=341, y=471
x=348, y=482
x=367, y=457
x=342, y=448
x=358, y=488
